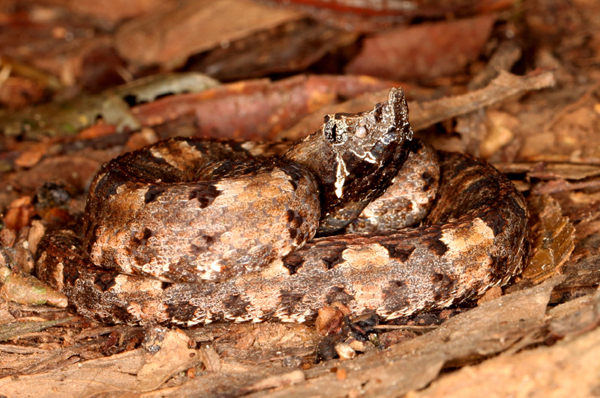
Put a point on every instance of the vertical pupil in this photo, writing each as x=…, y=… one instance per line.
x=334, y=133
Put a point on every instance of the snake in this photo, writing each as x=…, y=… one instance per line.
x=191, y=231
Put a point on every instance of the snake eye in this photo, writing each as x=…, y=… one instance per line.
x=334, y=133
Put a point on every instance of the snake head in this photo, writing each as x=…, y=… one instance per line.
x=355, y=157
x=387, y=122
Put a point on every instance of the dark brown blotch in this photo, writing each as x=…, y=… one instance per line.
x=290, y=215
x=288, y=301
x=70, y=275
x=295, y=174
x=181, y=312
x=143, y=240
x=119, y=314
x=205, y=194
x=485, y=184
x=141, y=259
x=238, y=147
x=145, y=156
x=199, y=249
x=293, y=263
x=297, y=221
x=435, y=244
x=104, y=280
x=181, y=272
x=290, y=298
x=464, y=164
x=108, y=184
x=195, y=249
x=397, y=284
x=339, y=295
x=500, y=265
x=444, y=286
x=201, y=145
x=398, y=251
x=236, y=305
x=300, y=238
x=333, y=256
x=393, y=296
x=438, y=278
x=154, y=191
x=495, y=221
x=516, y=207
x=427, y=177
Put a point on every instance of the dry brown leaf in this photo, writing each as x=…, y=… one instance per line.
x=568, y=369
x=423, y=51
x=169, y=36
x=500, y=131
x=568, y=133
x=74, y=170
x=174, y=356
x=19, y=213
x=552, y=240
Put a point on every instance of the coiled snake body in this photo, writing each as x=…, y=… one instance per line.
x=195, y=231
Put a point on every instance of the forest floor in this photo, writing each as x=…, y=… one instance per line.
x=515, y=83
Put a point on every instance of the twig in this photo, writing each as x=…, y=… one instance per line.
x=16, y=329
x=425, y=114
x=405, y=327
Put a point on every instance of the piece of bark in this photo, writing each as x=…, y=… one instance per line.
x=75, y=171
x=568, y=369
x=551, y=171
x=426, y=114
x=581, y=269
x=16, y=329
x=20, y=287
x=501, y=130
x=556, y=186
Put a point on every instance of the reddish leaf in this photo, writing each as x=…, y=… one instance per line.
x=423, y=51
